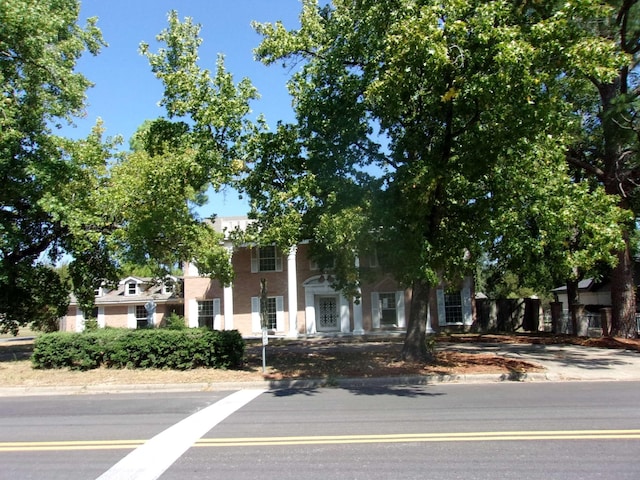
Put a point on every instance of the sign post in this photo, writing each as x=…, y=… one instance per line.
x=265, y=342
x=263, y=321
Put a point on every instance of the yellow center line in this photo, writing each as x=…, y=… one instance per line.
x=70, y=445
x=421, y=437
x=334, y=439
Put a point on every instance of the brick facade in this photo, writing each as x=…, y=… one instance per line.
x=301, y=300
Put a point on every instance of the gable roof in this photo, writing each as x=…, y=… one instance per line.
x=586, y=285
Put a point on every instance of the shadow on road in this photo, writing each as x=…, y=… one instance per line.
x=408, y=391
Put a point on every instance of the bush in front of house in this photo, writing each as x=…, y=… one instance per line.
x=120, y=348
x=175, y=322
x=77, y=351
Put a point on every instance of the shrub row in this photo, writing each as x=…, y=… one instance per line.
x=121, y=348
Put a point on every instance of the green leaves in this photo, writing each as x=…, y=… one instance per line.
x=46, y=200
x=213, y=106
x=436, y=131
x=545, y=226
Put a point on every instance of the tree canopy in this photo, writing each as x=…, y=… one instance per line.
x=83, y=199
x=427, y=131
x=430, y=134
x=40, y=172
x=606, y=106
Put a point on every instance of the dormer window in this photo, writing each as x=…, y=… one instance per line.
x=98, y=292
x=168, y=288
x=168, y=285
x=131, y=288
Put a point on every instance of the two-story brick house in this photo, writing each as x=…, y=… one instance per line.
x=300, y=297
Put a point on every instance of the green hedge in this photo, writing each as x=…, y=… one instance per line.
x=121, y=348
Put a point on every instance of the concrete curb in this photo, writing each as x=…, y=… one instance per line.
x=306, y=384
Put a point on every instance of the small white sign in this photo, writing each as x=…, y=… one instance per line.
x=265, y=337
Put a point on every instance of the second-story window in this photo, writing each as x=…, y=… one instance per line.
x=266, y=259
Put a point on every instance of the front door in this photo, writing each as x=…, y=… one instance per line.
x=327, y=313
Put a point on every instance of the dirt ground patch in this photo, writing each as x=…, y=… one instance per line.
x=301, y=359
x=339, y=359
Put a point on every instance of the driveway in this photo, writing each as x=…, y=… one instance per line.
x=566, y=362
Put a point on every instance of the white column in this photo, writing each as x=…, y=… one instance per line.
x=345, y=321
x=131, y=317
x=217, y=320
x=310, y=312
x=228, y=296
x=292, y=290
x=79, y=320
x=101, y=318
x=358, y=328
x=228, y=307
x=430, y=329
x=192, y=309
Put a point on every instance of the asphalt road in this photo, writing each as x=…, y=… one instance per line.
x=578, y=430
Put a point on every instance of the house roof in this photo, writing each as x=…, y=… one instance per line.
x=586, y=285
x=154, y=291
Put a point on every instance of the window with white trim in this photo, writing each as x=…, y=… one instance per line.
x=274, y=311
x=271, y=313
x=266, y=259
x=453, y=307
x=131, y=288
x=388, y=311
x=373, y=259
x=141, y=316
x=206, y=313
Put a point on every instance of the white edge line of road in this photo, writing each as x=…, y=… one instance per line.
x=152, y=459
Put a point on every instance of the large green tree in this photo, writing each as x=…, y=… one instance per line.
x=607, y=149
x=552, y=230
x=408, y=112
x=82, y=198
x=40, y=43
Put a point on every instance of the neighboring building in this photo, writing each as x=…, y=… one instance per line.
x=135, y=303
x=300, y=297
x=592, y=294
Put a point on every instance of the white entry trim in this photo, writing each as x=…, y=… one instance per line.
x=317, y=286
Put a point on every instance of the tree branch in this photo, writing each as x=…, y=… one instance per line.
x=32, y=250
x=576, y=162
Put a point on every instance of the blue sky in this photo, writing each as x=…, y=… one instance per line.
x=126, y=93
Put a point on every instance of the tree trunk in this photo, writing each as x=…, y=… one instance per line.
x=415, y=346
x=623, y=295
x=573, y=299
